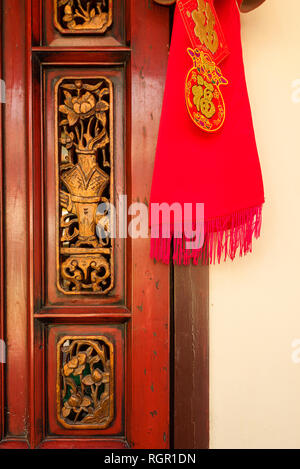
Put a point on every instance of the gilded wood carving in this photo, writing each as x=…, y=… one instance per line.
x=165, y=2
x=82, y=16
x=84, y=185
x=85, y=382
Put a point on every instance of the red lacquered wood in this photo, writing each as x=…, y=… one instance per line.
x=16, y=235
x=76, y=443
x=38, y=389
x=80, y=314
x=14, y=444
x=148, y=364
x=36, y=17
x=107, y=56
x=1, y=253
x=137, y=313
x=34, y=243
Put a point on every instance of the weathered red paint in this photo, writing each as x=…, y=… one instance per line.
x=150, y=306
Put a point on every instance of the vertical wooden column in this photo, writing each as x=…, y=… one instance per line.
x=191, y=360
x=1, y=250
x=151, y=284
x=15, y=209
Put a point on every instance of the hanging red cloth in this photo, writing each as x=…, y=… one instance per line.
x=220, y=169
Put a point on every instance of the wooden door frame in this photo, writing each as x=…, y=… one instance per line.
x=190, y=346
x=191, y=357
x=189, y=410
x=2, y=337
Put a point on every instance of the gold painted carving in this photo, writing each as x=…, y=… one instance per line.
x=84, y=185
x=85, y=382
x=204, y=26
x=82, y=16
x=165, y=2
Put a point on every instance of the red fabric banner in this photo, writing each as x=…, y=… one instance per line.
x=204, y=28
x=221, y=169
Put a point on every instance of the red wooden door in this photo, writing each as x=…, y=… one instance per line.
x=85, y=320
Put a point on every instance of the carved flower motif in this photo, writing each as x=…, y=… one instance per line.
x=76, y=402
x=67, y=139
x=85, y=398
x=84, y=104
x=76, y=365
x=77, y=17
x=78, y=107
x=97, y=377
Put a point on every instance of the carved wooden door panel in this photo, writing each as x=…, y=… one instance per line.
x=85, y=317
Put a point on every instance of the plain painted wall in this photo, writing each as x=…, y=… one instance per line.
x=255, y=301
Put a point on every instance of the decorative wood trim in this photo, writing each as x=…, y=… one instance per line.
x=86, y=443
x=11, y=443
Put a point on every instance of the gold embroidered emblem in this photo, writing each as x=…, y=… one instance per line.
x=204, y=99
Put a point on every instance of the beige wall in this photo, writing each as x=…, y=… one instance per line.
x=255, y=301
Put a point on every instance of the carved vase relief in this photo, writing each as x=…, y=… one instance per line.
x=85, y=382
x=85, y=176
x=82, y=16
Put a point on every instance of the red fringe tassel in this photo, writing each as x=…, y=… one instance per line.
x=224, y=236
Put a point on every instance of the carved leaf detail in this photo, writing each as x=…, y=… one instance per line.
x=85, y=397
x=81, y=16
